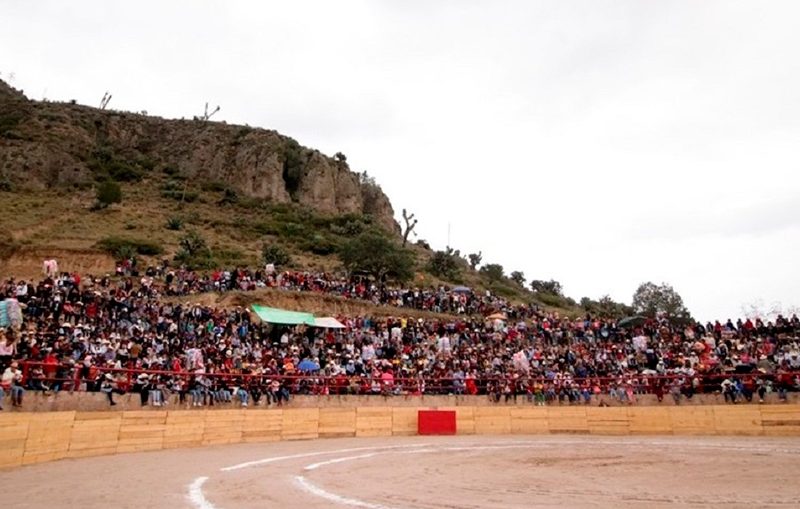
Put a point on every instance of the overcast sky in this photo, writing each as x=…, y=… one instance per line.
x=599, y=143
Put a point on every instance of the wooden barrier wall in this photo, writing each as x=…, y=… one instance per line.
x=36, y=437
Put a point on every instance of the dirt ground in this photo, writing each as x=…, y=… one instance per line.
x=427, y=472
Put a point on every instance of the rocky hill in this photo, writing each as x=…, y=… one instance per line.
x=46, y=145
x=236, y=190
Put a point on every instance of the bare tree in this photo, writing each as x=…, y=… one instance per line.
x=105, y=100
x=207, y=115
x=409, y=227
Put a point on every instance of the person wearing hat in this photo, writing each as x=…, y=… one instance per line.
x=11, y=381
x=109, y=386
x=142, y=386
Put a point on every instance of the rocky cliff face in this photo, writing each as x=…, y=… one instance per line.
x=45, y=144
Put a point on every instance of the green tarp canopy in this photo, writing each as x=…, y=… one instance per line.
x=282, y=316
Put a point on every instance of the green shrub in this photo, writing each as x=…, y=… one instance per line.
x=10, y=119
x=320, y=245
x=292, y=231
x=265, y=228
x=172, y=171
x=213, y=187
x=124, y=172
x=493, y=271
x=376, y=254
x=146, y=163
x=108, y=192
x=106, y=165
x=249, y=202
x=194, y=252
x=123, y=247
x=178, y=192
x=228, y=257
x=229, y=197
x=444, y=264
x=275, y=254
x=554, y=300
x=174, y=223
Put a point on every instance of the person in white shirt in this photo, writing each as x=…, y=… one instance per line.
x=11, y=381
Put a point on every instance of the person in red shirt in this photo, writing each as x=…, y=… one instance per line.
x=50, y=365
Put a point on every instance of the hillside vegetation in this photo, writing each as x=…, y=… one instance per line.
x=90, y=186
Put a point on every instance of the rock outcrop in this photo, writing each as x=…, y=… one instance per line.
x=47, y=144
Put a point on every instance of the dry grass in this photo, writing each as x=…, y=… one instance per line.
x=60, y=224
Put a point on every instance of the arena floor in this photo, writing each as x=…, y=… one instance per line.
x=426, y=472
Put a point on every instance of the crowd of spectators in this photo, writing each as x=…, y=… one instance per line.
x=183, y=282
x=125, y=334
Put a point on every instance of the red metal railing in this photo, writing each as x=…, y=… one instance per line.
x=344, y=384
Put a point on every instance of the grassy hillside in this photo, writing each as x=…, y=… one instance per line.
x=155, y=214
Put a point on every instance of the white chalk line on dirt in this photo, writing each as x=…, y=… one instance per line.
x=274, y=459
x=315, y=466
x=200, y=502
x=313, y=489
x=196, y=494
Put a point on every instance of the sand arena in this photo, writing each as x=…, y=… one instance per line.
x=746, y=456
x=427, y=472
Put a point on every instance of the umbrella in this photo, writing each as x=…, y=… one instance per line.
x=329, y=322
x=631, y=321
x=308, y=365
x=461, y=289
x=496, y=316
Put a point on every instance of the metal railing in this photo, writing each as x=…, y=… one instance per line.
x=86, y=378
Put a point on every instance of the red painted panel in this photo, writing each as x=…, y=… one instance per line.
x=436, y=422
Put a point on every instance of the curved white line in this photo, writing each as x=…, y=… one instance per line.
x=315, y=466
x=198, y=499
x=308, y=486
x=196, y=496
x=264, y=461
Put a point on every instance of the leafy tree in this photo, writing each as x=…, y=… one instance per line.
x=444, y=264
x=552, y=287
x=276, y=255
x=377, y=255
x=494, y=271
x=518, y=277
x=654, y=300
x=108, y=192
x=475, y=259
x=606, y=307
x=339, y=157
